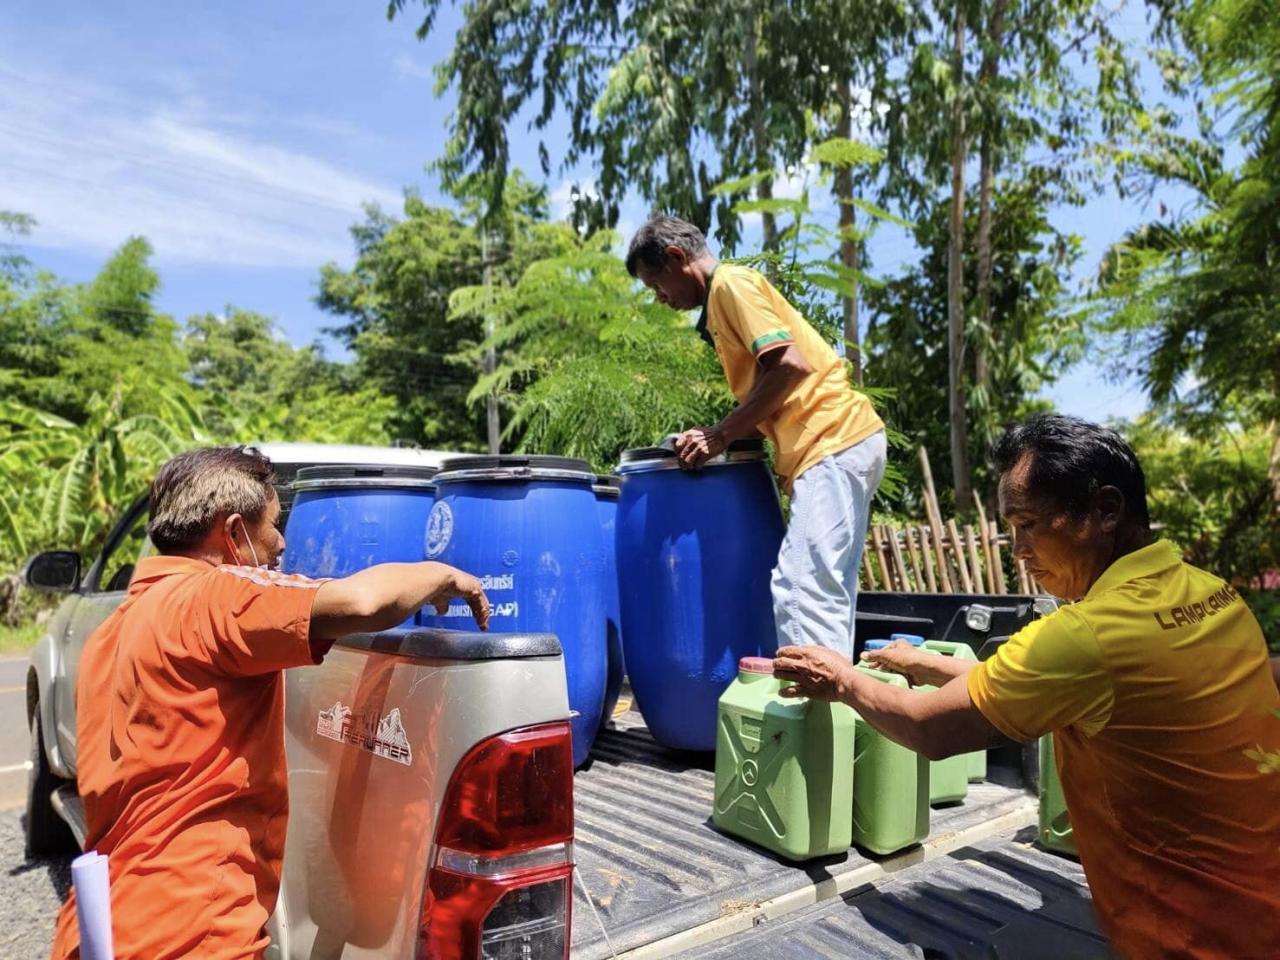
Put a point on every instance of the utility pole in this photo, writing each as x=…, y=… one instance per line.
x=490, y=354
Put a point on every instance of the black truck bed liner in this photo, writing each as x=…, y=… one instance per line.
x=663, y=880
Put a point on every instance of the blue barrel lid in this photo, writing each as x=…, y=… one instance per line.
x=515, y=466
x=880, y=644
x=351, y=476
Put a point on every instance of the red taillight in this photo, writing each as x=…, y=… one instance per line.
x=500, y=877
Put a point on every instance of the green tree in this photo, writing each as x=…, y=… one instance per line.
x=64, y=484
x=238, y=351
x=666, y=97
x=1009, y=81
x=589, y=364
x=1208, y=488
x=396, y=304
x=1196, y=295
x=1034, y=343
x=14, y=267
x=61, y=344
x=257, y=386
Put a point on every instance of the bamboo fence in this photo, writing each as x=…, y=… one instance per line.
x=937, y=556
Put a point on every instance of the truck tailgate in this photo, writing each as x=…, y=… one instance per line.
x=663, y=880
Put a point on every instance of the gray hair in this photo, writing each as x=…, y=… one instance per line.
x=195, y=488
x=649, y=245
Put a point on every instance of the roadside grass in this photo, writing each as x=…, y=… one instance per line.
x=19, y=639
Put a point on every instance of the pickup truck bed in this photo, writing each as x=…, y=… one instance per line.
x=1000, y=897
x=664, y=883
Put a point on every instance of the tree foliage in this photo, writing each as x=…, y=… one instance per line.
x=590, y=364
x=665, y=97
x=1035, y=342
x=1208, y=488
x=67, y=482
x=395, y=302
x=1195, y=295
x=98, y=388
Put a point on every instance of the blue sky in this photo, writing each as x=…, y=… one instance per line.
x=242, y=138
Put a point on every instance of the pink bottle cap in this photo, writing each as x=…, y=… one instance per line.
x=755, y=665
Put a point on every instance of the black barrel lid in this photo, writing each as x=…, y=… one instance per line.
x=608, y=486
x=639, y=454
x=505, y=461
x=364, y=471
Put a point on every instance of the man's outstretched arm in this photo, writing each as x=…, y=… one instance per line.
x=938, y=723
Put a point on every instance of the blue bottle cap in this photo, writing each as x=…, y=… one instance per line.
x=912, y=638
x=876, y=644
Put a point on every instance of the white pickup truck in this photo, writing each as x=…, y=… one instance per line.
x=434, y=812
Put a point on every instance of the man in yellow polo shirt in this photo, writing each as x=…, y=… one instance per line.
x=1155, y=684
x=829, y=444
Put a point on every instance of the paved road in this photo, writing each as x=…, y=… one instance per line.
x=14, y=741
x=30, y=894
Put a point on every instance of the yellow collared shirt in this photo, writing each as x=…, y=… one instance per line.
x=746, y=318
x=1158, y=691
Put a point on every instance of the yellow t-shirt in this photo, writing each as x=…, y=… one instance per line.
x=746, y=317
x=1160, y=697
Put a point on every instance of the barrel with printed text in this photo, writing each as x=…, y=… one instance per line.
x=695, y=550
x=346, y=518
x=529, y=528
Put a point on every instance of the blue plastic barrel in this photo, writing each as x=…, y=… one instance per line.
x=529, y=529
x=346, y=518
x=607, y=490
x=695, y=551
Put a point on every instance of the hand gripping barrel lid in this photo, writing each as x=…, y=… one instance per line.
x=663, y=456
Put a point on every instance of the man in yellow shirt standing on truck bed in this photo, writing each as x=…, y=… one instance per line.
x=1155, y=683
x=829, y=444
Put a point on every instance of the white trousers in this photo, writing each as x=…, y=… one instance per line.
x=815, y=584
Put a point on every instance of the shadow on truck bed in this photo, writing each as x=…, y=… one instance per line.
x=664, y=882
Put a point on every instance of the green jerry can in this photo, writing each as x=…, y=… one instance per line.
x=890, y=786
x=784, y=767
x=977, y=761
x=1055, y=825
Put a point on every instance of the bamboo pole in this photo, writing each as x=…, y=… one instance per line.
x=971, y=541
x=899, y=564
x=957, y=548
x=984, y=532
x=935, y=519
x=930, y=576
x=993, y=531
x=1024, y=578
x=867, y=571
x=908, y=534
x=886, y=574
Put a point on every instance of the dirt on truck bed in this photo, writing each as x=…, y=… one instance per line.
x=664, y=882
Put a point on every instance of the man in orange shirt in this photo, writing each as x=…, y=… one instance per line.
x=1154, y=682
x=828, y=442
x=180, y=707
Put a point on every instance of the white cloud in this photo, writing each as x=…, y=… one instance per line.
x=561, y=198
x=411, y=69
x=94, y=166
